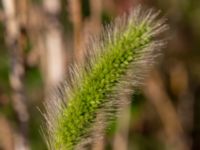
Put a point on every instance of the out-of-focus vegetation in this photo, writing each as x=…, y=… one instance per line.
x=40, y=39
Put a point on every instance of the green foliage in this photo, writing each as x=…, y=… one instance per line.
x=125, y=46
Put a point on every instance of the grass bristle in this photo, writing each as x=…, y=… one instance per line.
x=118, y=62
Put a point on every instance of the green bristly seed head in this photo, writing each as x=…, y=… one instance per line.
x=124, y=47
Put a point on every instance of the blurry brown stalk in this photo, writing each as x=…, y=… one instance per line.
x=6, y=137
x=96, y=12
x=99, y=145
x=53, y=44
x=180, y=86
x=155, y=92
x=121, y=135
x=76, y=18
x=16, y=41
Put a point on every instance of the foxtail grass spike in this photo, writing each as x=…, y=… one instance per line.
x=117, y=62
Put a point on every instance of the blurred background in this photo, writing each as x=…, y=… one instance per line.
x=39, y=39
